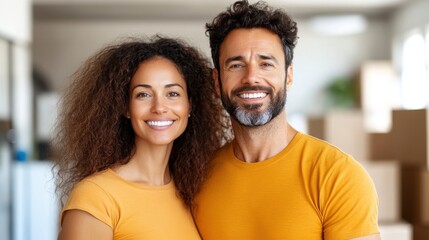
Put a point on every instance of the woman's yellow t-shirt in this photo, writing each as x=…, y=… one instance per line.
x=133, y=211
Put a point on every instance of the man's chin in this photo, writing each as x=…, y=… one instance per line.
x=252, y=118
x=253, y=108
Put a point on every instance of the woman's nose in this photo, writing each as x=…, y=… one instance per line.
x=159, y=105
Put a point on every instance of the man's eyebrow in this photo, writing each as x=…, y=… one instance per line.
x=233, y=58
x=261, y=56
x=268, y=57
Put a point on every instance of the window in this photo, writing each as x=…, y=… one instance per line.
x=427, y=53
x=414, y=79
x=4, y=79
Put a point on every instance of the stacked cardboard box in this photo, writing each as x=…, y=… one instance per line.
x=381, y=146
x=393, y=145
x=411, y=137
x=415, y=195
x=396, y=231
x=411, y=143
x=420, y=232
x=345, y=129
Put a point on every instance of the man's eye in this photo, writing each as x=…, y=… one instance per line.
x=267, y=65
x=235, y=66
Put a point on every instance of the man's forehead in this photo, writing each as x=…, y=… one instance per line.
x=257, y=42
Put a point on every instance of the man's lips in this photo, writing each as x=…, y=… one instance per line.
x=255, y=95
x=252, y=92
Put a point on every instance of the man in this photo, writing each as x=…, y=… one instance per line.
x=272, y=182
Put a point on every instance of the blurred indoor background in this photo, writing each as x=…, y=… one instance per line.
x=361, y=82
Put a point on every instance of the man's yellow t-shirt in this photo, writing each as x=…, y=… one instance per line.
x=309, y=191
x=133, y=211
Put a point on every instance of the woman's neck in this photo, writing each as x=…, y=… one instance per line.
x=148, y=165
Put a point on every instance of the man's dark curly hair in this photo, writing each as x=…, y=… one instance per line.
x=259, y=15
x=92, y=133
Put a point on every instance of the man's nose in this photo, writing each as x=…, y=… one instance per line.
x=251, y=75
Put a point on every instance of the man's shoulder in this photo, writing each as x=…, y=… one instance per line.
x=321, y=151
x=317, y=143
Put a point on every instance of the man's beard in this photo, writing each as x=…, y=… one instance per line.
x=249, y=115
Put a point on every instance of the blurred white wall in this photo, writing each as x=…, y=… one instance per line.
x=16, y=20
x=16, y=27
x=36, y=209
x=61, y=46
x=15, y=33
x=413, y=15
x=321, y=58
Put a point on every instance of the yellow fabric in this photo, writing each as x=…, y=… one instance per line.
x=133, y=211
x=311, y=190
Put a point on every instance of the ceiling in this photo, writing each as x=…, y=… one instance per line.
x=197, y=9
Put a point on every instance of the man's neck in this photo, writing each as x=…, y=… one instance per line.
x=256, y=144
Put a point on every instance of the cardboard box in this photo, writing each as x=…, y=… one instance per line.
x=344, y=129
x=386, y=178
x=396, y=231
x=420, y=232
x=415, y=195
x=380, y=146
x=411, y=137
x=316, y=127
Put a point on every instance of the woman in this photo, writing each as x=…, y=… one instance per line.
x=136, y=130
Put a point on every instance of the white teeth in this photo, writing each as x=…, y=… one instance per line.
x=253, y=95
x=159, y=123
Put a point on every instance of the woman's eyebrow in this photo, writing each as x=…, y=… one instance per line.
x=142, y=85
x=174, y=85
x=166, y=86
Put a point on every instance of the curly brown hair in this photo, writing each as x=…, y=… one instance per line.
x=93, y=134
x=241, y=14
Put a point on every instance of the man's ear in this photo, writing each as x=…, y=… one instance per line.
x=289, y=77
x=215, y=75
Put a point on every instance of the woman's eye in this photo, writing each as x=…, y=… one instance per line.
x=173, y=94
x=143, y=95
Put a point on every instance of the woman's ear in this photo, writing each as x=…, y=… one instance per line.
x=127, y=114
x=190, y=108
x=215, y=75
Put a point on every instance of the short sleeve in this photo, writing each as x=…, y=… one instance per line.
x=349, y=202
x=89, y=197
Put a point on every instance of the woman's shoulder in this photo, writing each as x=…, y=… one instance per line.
x=99, y=180
x=99, y=176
